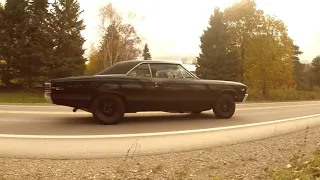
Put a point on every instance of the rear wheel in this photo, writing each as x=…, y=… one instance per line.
x=108, y=109
x=224, y=106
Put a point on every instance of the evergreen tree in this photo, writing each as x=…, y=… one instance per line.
x=217, y=59
x=146, y=53
x=14, y=20
x=37, y=49
x=298, y=66
x=68, y=41
x=316, y=69
x=2, y=28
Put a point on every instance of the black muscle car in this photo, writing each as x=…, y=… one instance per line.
x=138, y=85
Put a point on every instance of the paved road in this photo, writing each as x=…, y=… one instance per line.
x=58, y=120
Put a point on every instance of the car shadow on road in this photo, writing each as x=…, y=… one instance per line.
x=137, y=119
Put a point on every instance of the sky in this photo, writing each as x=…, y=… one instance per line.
x=172, y=27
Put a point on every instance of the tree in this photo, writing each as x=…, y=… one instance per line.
x=243, y=22
x=184, y=60
x=95, y=65
x=269, y=57
x=298, y=66
x=146, y=53
x=2, y=29
x=68, y=41
x=37, y=49
x=217, y=60
x=262, y=45
x=316, y=69
x=308, y=77
x=13, y=38
x=120, y=41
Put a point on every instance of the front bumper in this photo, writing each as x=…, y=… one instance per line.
x=245, y=97
x=47, y=96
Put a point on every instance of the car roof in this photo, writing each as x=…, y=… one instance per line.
x=151, y=61
x=124, y=66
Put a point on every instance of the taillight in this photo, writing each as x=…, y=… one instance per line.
x=47, y=87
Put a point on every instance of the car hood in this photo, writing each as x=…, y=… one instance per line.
x=220, y=82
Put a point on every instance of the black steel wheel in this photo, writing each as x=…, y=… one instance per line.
x=224, y=106
x=108, y=109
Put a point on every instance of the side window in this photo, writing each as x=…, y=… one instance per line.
x=141, y=71
x=184, y=73
x=166, y=71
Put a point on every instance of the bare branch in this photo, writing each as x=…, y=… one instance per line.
x=119, y=39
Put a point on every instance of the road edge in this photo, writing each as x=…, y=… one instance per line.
x=77, y=147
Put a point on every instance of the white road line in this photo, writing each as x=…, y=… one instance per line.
x=274, y=107
x=83, y=112
x=39, y=112
x=281, y=102
x=154, y=134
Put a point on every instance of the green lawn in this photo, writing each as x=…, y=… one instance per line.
x=22, y=97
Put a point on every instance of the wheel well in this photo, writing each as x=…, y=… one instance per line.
x=230, y=92
x=117, y=94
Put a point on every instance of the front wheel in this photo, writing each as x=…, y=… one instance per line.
x=224, y=106
x=108, y=109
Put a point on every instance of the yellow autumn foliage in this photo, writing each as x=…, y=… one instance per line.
x=263, y=46
x=269, y=58
x=95, y=65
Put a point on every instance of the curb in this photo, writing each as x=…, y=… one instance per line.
x=104, y=146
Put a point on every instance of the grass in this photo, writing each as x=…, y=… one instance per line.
x=280, y=95
x=22, y=97
x=302, y=170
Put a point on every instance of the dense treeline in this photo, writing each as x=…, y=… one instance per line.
x=242, y=43
x=40, y=40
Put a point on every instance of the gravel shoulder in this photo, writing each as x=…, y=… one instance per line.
x=252, y=160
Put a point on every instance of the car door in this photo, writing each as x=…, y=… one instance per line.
x=175, y=89
x=139, y=88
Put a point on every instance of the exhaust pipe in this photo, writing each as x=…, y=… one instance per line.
x=75, y=109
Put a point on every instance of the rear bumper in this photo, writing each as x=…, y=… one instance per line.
x=47, y=96
x=245, y=97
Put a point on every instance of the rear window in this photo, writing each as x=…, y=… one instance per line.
x=119, y=68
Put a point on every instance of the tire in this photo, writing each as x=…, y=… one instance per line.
x=108, y=109
x=224, y=106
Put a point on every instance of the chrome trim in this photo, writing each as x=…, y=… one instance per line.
x=58, y=88
x=134, y=67
x=192, y=75
x=245, y=97
x=150, y=70
x=47, y=96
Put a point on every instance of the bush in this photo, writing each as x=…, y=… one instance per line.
x=282, y=95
